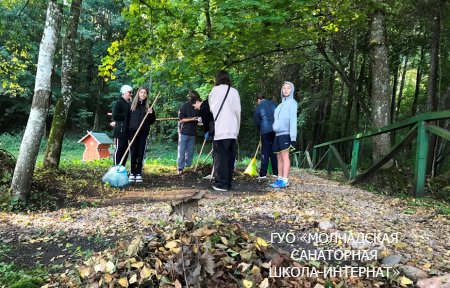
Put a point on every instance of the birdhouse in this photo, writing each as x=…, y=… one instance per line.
x=97, y=146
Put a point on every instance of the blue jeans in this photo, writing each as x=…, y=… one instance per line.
x=186, y=145
x=267, y=153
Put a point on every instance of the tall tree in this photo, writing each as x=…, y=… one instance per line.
x=432, y=95
x=29, y=148
x=380, y=83
x=54, y=146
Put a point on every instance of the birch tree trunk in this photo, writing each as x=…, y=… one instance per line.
x=380, y=85
x=54, y=146
x=29, y=148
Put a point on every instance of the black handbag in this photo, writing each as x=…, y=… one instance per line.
x=212, y=123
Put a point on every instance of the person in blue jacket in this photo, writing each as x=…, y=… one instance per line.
x=263, y=118
x=285, y=127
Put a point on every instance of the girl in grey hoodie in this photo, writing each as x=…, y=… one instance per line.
x=285, y=127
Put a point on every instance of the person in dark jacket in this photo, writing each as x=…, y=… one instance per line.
x=139, y=108
x=264, y=118
x=187, y=132
x=120, y=112
x=204, y=113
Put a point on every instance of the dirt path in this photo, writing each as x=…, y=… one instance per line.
x=70, y=233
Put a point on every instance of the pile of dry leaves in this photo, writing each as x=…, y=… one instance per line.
x=215, y=255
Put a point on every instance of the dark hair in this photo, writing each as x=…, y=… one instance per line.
x=260, y=96
x=222, y=77
x=194, y=96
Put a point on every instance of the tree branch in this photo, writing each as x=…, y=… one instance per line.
x=276, y=50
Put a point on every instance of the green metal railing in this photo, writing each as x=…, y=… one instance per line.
x=420, y=130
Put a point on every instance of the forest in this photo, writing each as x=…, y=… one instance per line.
x=356, y=65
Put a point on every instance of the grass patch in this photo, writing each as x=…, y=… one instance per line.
x=13, y=276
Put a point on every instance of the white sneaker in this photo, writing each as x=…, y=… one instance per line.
x=138, y=178
x=209, y=177
x=132, y=178
x=262, y=177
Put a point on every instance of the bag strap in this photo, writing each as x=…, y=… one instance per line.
x=220, y=109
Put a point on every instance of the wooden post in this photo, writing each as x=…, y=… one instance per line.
x=421, y=159
x=354, y=163
x=330, y=158
x=314, y=160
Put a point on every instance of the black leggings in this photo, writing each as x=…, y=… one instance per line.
x=137, y=151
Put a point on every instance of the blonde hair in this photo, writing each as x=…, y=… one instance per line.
x=136, y=100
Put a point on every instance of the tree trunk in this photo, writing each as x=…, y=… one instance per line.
x=400, y=90
x=327, y=107
x=418, y=80
x=394, y=90
x=54, y=146
x=432, y=96
x=380, y=85
x=432, y=99
x=29, y=148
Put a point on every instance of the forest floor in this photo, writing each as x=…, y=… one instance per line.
x=310, y=205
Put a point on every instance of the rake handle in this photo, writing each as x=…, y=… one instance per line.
x=137, y=131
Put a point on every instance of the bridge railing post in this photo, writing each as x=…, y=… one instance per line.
x=354, y=163
x=421, y=159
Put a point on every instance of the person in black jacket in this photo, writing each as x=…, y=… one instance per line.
x=187, y=132
x=120, y=112
x=204, y=113
x=264, y=118
x=139, y=108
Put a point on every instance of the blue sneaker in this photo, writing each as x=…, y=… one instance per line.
x=276, y=183
x=281, y=184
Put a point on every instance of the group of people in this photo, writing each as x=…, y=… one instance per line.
x=220, y=116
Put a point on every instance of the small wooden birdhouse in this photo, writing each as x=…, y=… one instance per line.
x=97, y=146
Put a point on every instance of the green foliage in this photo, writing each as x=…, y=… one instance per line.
x=13, y=276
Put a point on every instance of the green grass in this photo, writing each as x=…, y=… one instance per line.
x=159, y=153
x=13, y=276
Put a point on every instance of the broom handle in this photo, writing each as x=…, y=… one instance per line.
x=207, y=156
x=257, y=148
x=201, y=150
x=137, y=131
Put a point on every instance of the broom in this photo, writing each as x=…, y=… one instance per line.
x=251, y=168
x=117, y=176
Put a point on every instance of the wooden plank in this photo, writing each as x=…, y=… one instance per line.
x=439, y=131
x=340, y=161
x=308, y=158
x=401, y=124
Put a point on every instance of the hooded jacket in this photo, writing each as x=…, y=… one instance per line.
x=286, y=115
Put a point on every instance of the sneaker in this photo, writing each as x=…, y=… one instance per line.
x=138, y=178
x=180, y=171
x=132, y=178
x=262, y=177
x=282, y=184
x=276, y=183
x=218, y=188
x=209, y=177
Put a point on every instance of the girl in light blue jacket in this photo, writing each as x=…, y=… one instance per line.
x=285, y=127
